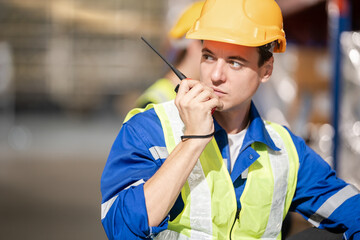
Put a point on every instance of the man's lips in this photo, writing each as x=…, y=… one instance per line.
x=218, y=91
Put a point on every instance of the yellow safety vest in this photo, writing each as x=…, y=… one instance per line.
x=210, y=207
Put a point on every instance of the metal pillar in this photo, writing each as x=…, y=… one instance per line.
x=339, y=21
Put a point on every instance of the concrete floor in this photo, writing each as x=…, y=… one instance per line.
x=50, y=169
x=43, y=199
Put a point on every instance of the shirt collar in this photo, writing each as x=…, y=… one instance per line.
x=256, y=131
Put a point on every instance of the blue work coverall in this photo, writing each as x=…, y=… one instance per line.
x=139, y=151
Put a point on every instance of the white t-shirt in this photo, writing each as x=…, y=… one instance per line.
x=235, y=143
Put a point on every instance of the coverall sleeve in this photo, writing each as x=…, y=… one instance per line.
x=322, y=198
x=130, y=164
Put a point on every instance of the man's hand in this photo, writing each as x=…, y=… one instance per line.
x=195, y=103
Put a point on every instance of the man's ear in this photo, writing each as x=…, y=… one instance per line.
x=266, y=70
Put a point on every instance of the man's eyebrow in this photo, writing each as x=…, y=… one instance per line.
x=206, y=50
x=230, y=58
x=238, y=58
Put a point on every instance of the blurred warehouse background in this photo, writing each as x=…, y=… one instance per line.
x=71, y=69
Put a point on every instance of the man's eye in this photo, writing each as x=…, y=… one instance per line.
x=235, y=64
x=207, y=57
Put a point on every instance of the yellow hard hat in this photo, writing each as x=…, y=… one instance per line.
x=244, y=22
x=186, y=20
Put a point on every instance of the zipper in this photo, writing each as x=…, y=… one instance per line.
x=236, y=217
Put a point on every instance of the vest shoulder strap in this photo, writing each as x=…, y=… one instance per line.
x=135, y=111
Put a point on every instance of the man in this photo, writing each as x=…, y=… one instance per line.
x=185, y=55
x=176, y=171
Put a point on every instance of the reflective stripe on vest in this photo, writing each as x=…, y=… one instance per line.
x=275, y=173
x=209, y=196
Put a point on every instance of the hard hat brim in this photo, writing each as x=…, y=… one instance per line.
x=219, y=36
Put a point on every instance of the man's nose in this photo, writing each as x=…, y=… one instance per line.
x=218, y=72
